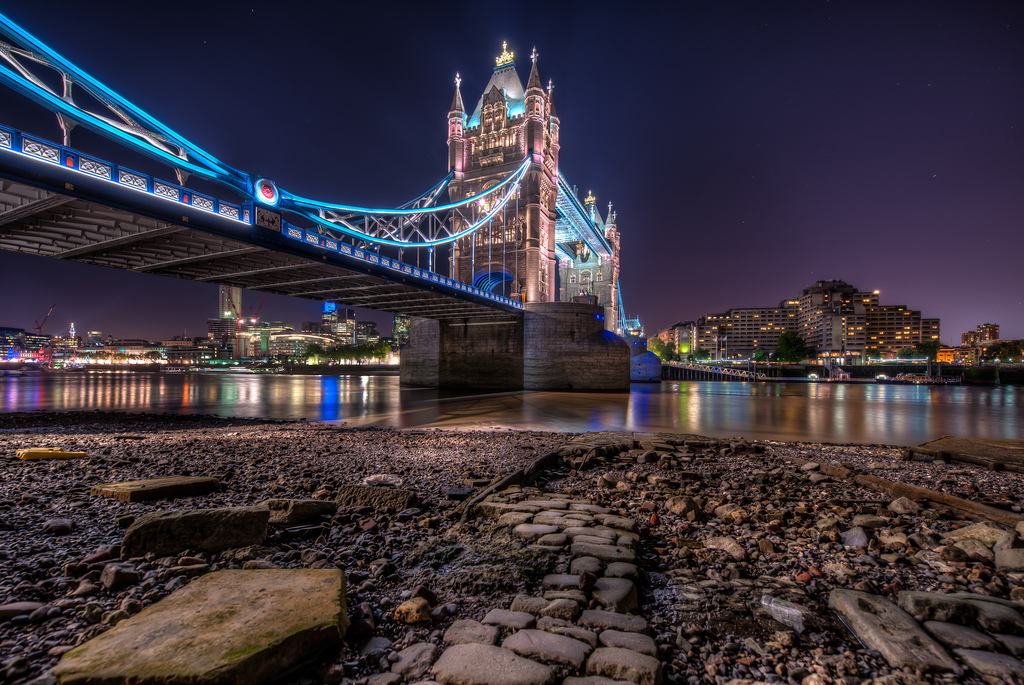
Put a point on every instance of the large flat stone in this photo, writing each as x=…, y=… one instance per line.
x=615, y=594
x=995, y=665
x=618, y=522
x=933, y=606
x=1010, y=560
x=605, y=620
x=548, y=647
x=414, y=661
x=466, y=631
x=883, y=626
x=638, y=642
x=624, y=664
x=376, y=496
x=148, y=490
x=226, y=627
x=292, y=512
x=473, y=664
x=999, y=618
x=561, y=581
x=565, y=627
x=956, y=636
x=573, y=531
x=206, y=530
x=985, y=531
x=602, y=552
x=516, y=620
x=532, y=531
x=1012, y=644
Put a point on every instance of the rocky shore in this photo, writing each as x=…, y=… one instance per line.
x=616, y=557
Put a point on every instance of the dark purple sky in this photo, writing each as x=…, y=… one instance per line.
x=750, y=148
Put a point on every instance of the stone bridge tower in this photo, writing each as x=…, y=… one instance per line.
x=515, y=254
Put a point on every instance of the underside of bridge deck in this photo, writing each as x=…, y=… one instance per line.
x=49, y=224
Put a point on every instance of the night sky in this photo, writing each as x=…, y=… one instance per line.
x=749, y=148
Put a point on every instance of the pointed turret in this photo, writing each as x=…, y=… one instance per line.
x=456, y=127
x=534, y=81
x=536, y=111
x=457, y=100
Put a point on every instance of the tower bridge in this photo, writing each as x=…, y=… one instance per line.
x=482, y=258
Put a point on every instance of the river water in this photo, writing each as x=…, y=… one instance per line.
x=860, y=413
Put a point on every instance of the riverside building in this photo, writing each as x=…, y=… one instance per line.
x=835, y=319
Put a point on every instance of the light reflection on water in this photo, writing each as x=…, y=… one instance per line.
x=884, y=414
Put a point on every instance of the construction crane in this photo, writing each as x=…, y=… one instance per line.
x=256, y=312
x=38, y=328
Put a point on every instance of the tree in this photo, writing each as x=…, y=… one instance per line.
x=1007, y=351
x=929, y=350
x=665, y=351
x=758, y=356
x=314, y=352
x=657, y=346
x=906, y=353
x=700, y=354
x=790, y=348
x=153, y=355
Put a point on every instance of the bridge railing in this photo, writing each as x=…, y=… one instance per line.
x=315, y=238
x=39, y=149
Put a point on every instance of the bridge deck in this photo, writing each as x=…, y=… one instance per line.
x=36, y=220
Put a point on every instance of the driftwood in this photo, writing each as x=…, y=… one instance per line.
x=925, y=454
x=523, y=476
x=897, y=489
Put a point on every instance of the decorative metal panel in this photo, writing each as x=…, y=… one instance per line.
x=129, y=179
x=165, y=190
x=40, y=150
x=95, y=168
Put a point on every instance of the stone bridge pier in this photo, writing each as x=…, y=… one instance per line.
x=553, y=346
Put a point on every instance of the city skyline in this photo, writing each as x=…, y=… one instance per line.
x=745, y=148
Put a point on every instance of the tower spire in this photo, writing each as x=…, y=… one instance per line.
x=457, y=100
x=534, y=76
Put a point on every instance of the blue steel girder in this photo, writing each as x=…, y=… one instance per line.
x=418, y=223
x=575, y=225
x=95, y=207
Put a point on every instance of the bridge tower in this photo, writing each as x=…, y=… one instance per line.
x=515, y=254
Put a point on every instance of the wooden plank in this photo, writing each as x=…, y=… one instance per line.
x=37, y=453
x=167, y=487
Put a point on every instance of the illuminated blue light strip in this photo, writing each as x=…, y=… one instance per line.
x=305, y=203
x=69, y=159
x=15, y=32
x=326, y=243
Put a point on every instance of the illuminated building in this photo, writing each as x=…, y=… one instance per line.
x=987, y=332
x=738, y=333
x=587, y=273
x=892, y=328
x=679, y=336
x=515, y=255
x=946, y=355
x=366, y=332
x=260, y=334
x=222, y=331
x=294, y=345
x=230, y=303
x=834, y=318
x=400, y=329
x=344, y=329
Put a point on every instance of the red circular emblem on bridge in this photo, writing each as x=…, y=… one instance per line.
x=266, y=192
